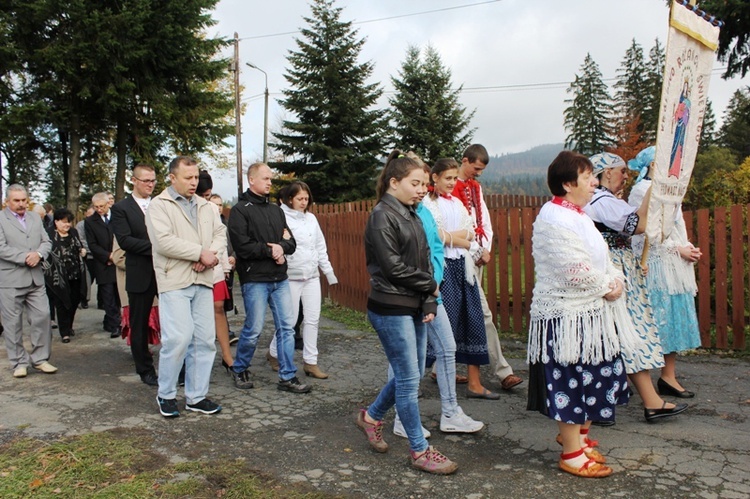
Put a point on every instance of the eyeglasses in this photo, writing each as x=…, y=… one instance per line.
x=146, y=181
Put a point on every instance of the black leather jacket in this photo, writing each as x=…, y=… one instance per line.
x=398, y=257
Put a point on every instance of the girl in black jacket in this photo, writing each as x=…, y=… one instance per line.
x=401, y=301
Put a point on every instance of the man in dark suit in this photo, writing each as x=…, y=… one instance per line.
x=100, y=239
x=23, y=246
x=129, y=225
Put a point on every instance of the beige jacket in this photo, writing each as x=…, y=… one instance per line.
x=177, y=245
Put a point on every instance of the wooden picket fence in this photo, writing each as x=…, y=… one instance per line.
x=723, y=277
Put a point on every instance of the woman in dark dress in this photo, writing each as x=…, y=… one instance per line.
x=64, y=271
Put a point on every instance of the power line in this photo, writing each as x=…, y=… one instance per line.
x=401, y=16
x=553, y=85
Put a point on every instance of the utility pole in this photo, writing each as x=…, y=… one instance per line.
x=237, y=113
x=265, y=113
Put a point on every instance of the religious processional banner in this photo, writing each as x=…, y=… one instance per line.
x=692, y=42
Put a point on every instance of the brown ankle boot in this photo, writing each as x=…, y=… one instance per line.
x=314, y=371
x=273, y=361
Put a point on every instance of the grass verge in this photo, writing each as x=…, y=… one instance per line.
x=347, y=316
x=120, y=464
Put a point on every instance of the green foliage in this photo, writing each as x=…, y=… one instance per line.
x=652, y=79
x=336, y=138
x=735, y=130
x=734, y=37
x=630, y=87
x=711, y=180
x=427, y=117
x=132, y=79
x=588, y=118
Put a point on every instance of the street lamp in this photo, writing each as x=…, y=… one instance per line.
x=265, y=113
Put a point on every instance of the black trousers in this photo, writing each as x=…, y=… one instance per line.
x=111, y=302
x=65, y=316
x=140, y=309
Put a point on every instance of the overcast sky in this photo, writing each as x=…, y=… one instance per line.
x=500, y=51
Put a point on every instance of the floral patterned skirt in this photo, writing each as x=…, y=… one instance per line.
x=576, y=393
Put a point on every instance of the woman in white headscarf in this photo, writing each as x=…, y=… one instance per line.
x=618, y=221
x=671, y=283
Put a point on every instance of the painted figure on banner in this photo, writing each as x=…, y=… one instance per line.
x=681, y=119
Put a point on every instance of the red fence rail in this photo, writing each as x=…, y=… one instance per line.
x=723, y=276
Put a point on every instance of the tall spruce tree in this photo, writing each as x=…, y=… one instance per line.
x=708, y=130
x=337, y=137
x=588, y=118
x=735, y=130
x=652, y=79
x=427, y=117
x=630, y=84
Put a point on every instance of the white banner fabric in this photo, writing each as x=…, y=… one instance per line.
x=689, y=59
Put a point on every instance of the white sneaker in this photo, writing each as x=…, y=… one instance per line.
x=459, y=423
x=398, y=430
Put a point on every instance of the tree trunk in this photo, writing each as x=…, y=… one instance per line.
x=74, y=171
x=122, y=149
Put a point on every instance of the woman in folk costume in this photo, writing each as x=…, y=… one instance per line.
x=459, y=289
x=618, y=221
x=576, y=372
x=671, y=283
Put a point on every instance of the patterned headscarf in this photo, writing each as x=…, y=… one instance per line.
x=642, y=161
x=605, y=160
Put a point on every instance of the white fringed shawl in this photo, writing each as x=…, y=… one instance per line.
x=667, y=270
x=569, y=290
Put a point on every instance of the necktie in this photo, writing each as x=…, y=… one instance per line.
x=106, y=219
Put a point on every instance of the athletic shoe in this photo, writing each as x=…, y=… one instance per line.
x=293, y=385
x=433, y=461
x=46, y=368
x=399, y=431
x=459, y=423
x=242, y=380
x=205, y=406
x=373, y=431
x=168, y=407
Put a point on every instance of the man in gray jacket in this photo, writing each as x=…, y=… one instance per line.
x=23, y=246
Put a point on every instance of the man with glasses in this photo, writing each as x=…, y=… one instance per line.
x=129, y=226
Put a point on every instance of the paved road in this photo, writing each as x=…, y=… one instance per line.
x=311, y=439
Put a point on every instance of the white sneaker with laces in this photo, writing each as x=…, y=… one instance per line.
x=459, y=423
x=399, y=431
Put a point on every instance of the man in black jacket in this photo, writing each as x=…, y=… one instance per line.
x=129, y=225
x=100, y=240
x=261, y=239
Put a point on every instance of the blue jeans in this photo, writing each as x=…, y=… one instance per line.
x=256, y=296
x=405, y=343
x=440, y=335
x=188, y=333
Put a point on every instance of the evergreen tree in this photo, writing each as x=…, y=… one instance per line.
x=589, y=116
x=427, y=117
x=104, y=68
x=734, y=37
x=708, y=130
x=337, y=137
x=735, y=131
x=630, y=87
x=651, y=97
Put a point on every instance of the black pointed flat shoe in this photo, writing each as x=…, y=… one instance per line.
x=667, y=389
x=654, y=414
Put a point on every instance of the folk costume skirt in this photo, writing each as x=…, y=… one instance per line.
x=464, y=308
